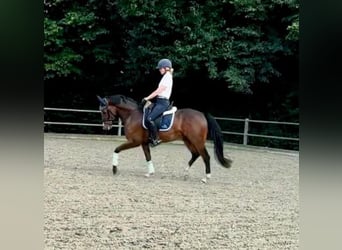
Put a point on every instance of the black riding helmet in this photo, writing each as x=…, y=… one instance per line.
x=163, y=63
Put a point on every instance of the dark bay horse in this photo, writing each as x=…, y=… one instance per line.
x=189, y=125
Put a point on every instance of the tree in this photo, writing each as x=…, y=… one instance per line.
x=237, y=41
x=74, y=34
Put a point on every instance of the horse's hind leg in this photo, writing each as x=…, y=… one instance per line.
x=197, y=151
x=206, y=158
x=194, y=156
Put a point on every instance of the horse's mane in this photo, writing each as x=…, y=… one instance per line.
x=121, y=99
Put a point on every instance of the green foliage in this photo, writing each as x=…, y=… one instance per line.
x=71, y=35
x=65, y=65
x=293, y=30
x=236, y=41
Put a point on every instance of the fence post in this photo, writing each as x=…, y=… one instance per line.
x=245, y=132
x=120, y=128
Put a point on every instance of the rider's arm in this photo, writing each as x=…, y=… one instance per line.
x=160, y=89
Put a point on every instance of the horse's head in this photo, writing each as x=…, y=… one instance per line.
x=108, y=113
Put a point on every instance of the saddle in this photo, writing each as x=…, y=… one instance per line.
x=163, y=122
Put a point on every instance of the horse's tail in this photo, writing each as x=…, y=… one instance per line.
x=215, y=134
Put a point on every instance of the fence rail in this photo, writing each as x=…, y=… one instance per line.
x=245, y=134
x=119, y=125
x=247, y=122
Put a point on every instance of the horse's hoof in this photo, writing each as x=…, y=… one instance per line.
x=204, y=180
x=149, y=175
x=115, y=169
x=186, y=177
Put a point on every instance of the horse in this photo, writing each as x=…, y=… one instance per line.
x=189, y=125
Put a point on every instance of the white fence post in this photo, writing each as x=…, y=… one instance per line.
x=245, y=132
x=120, y=128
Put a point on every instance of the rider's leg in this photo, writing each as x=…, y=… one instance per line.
x=157, y=110
x=153, y=132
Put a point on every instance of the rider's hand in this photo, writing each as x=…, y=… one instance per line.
x=143, y=101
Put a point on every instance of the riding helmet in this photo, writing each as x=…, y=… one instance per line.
x=163, y=63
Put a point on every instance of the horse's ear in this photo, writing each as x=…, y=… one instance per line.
x=103, y=102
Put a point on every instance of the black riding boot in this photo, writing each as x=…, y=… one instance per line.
x=153, y=133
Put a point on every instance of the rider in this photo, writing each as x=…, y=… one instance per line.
x=160, y=98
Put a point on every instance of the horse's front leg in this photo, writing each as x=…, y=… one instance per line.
x=149, y=163
x=124, y=146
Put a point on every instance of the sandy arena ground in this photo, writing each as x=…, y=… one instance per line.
x=253, y=205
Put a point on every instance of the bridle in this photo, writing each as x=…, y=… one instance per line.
x=110, y=115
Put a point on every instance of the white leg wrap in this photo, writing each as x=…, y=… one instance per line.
x=150, y=167
x=115, y=159
x=206, y=179
x=186, y=171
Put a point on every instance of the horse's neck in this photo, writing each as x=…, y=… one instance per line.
x=124, y=113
